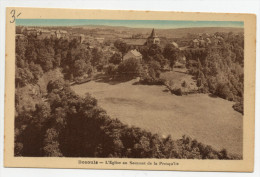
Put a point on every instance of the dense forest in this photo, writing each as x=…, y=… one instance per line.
x=60, y=123
x=219, y=69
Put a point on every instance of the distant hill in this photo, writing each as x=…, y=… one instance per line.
x=180, y=32
x=170, y=33
x=122, y=31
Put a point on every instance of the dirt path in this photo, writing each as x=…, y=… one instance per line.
x=210, y=120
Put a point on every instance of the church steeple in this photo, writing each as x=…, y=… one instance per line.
x=153, y=35
x=153, y=39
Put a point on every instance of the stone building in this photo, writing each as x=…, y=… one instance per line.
x=153, y=39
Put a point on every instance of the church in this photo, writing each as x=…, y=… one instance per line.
x=135, y=42
x=153, y=39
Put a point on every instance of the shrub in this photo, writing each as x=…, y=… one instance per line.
x=239, y=106
x=111, y=70
x=55, y=85
x=116, y=58
x=184, y=84
x=177, y=91
x=130, y=67
x=223, y=91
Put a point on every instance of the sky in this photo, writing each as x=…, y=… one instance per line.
x=163, y=24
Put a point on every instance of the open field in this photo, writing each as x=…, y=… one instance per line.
x=210, y=120
x=177, y=77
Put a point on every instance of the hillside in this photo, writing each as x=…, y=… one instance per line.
x=122, y=31
x=181, y=32
x=171, y=33
x=154, y=109
x=197, y=29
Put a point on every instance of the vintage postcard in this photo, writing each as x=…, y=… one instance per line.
x=103, y=89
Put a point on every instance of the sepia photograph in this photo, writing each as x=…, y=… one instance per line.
x=138, y=89
x=129, y=89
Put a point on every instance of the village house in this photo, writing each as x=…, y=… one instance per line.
x=202, y=43
x=184, y=42
x=208, y=41
x=30, y=31
x=20, y=36
x=175, y=44
x=99, y=39
x=61, y=34
x=88, y=39
x=20, y=30
x=220, y=40
x=79, y=37
x=133, y=54
x=44, y=33
x=195, y=43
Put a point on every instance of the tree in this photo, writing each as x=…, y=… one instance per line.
x=111, y=70
x=20, y=49
x=51, y=143
x=171, y=54
x=31, y=53
x=154, y=50
x=154, y=69
x=159, y=58
x=121, y=46
x=142, y=148
x=55, y=85
x=45, y=59
x=23, y=76
x=153, y=53
x=57, y=60
x=42, y=113
x=115, y=58
x=223, y=91
x=80, y=68
x=37, y=72
x=130, y=67
x=97, y=56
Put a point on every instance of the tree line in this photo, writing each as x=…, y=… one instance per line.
x=220, y=70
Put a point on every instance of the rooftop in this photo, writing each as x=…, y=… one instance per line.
x=136, y=53
x=135, y=42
